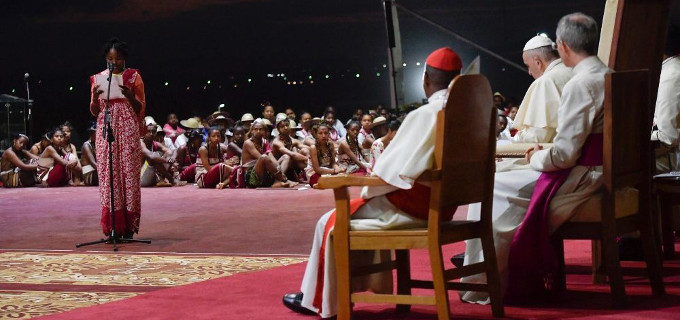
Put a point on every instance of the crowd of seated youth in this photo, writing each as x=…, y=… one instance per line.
x=273, y=150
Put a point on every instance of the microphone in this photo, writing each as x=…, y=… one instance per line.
x=26, y=75
x=109, y=65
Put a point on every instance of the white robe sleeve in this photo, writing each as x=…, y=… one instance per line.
x=668, y=105
x=409, y=154
x=579, y=109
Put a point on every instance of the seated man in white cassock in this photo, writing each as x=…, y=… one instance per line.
x=536, y=119
x=530, y=204
x=402, y=204
x=666, y=129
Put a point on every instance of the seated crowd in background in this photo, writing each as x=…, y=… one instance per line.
x=274, y=150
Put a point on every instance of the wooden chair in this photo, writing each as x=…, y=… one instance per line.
x=463, y=173
x=624, y=205
x=667, y=195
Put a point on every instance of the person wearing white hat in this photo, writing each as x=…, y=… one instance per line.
x=531, y=202
x=536, y=119
x=246, y=120
x=279, y=117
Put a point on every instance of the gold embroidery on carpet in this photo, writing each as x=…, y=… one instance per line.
x=31, y=304
x=124, y=269
x=75, y=274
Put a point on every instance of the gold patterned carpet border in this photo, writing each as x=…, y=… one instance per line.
x=39, y=283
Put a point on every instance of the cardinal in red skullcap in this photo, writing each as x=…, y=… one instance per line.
x=401, y=204
x=444, y=59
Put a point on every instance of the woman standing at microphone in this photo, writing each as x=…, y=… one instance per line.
x=126, y=107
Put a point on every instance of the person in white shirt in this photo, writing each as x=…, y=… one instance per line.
x=520, y=194
x=667, y=111
x=410, y=153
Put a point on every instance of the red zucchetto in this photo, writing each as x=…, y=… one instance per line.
x=444, y=59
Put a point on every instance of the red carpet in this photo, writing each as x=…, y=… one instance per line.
x=258, y=296
x=279, y=222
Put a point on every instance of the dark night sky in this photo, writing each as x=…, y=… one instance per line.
x=187, y=43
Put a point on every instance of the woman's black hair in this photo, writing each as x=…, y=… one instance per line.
x=50, y=134
x=353, y=122
x=67, y=124
x=120, y=46
x=20, y=135
x=394, y=125
x=194, y=133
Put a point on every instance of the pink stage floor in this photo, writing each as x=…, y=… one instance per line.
x=269, y=222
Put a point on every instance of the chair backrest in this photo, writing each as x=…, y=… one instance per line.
x=626, y=149
x=633, y=37
x=465, y=142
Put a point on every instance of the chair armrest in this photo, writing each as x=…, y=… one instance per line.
x=339, y=181
x=430, y=175
x=517, y=150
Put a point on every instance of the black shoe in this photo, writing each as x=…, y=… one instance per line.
x=128, y=235
x=458, y=260
x=294, y=302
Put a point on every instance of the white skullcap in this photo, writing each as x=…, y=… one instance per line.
x=537, y=42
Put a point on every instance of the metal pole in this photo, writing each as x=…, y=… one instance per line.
x=394, y=54
x=462, y=38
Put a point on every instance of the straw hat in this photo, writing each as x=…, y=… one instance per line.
x=149, y=120
x=222, y=118
x=247, y=117
x=378, y=121
x=191, y=123
x=293, y=125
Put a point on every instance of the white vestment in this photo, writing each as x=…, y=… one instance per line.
x=580, y=114
x=536, y=119
x=667, y=113
x=410, y=153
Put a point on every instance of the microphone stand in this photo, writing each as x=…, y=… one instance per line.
x=29, y=104
x=113, y=238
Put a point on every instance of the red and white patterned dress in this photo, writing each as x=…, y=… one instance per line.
x=127, y=128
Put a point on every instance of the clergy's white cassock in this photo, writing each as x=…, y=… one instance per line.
x=580, y=114
x=667, y=112
x=410, y=153
x=536, y=118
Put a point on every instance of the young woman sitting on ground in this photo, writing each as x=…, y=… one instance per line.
x=14, y=171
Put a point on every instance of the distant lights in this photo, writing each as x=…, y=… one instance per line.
x=377, y=74
x=310, y=77
x=188, y=88
x=384, y=66
x=357, y=75
x=403, y=64
x=269, y=75
x=166, y=83
x=417, y=63
x=250, y=80
x=69, y=89
x=13, y=90
x=311, y=82
x=327, y=76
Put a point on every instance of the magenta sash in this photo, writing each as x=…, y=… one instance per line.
x=532, y=261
